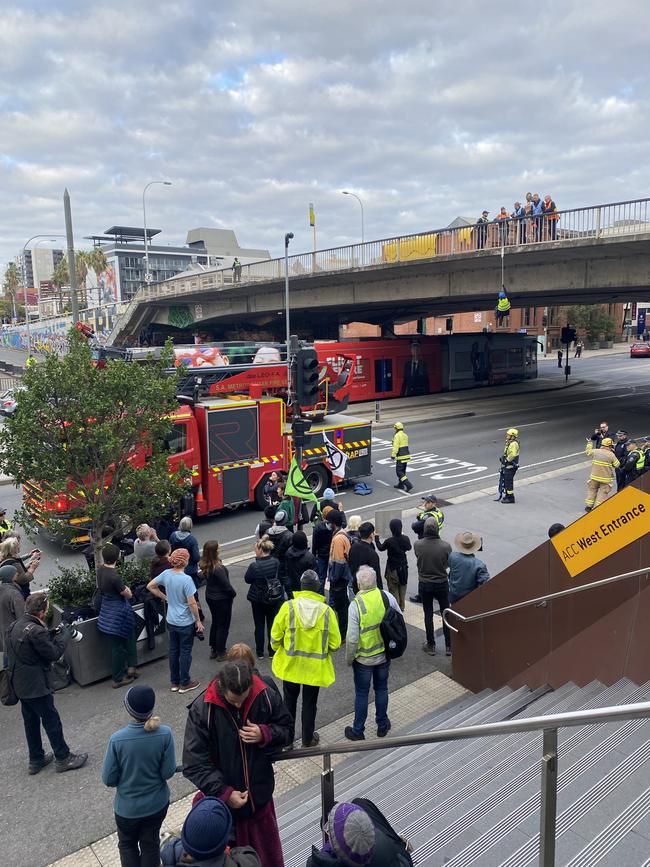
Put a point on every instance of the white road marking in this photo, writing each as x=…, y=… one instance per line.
x=530, y=424
x=382, y=482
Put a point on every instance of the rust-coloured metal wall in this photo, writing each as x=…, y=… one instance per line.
x=601, y=634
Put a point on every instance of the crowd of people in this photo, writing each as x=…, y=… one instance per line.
x=618, y=461
x=535, y=220
x=235, y=726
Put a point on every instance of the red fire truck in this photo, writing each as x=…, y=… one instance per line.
x=232, y=430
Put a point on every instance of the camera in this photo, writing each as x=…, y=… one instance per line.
x=75, y=635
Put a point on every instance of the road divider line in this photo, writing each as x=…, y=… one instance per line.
x=529, y=424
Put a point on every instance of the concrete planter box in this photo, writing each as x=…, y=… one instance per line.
x=90, y=659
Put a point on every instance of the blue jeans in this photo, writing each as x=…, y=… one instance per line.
x=41, y=710
x=181, y=639
x=364, y=675
x=321, y=566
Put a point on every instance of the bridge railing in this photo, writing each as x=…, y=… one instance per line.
x=495, y=236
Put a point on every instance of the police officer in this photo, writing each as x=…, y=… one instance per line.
x=620, y=450
x=634, y=462
x=5, y=524
x=509, y=466
x=431, y=510
x=643, y=465
x=401, y=455
x=32, y=649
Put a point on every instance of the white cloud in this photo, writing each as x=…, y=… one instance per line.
x=254, y=110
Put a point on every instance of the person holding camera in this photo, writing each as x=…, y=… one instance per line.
x=32, y=649
x=25, y=566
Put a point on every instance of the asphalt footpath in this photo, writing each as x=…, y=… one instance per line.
x=46, y=817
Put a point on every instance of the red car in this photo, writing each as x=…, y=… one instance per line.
x=640, y=350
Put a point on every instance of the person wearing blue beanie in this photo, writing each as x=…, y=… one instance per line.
x=204, y=840
x=139, y=760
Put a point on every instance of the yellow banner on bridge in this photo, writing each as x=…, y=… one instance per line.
x=611, y=526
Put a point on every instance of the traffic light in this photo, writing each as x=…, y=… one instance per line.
x=299, y=429
x=307, y=377
x=568, y=335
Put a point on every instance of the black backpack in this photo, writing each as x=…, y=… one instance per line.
x=393, y=630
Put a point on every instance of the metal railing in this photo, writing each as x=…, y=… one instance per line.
x=594, y=222
x=549, y=725
x=540, y=601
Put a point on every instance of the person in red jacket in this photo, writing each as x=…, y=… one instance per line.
x=227, y=753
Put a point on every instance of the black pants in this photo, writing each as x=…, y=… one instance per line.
x=340, y=603
x=439, y=592
x=221, y=612
x=139, y=839
x=400, y=471
x=263, y=617
x=309, y=705
x=509, y=480
x=41, y=710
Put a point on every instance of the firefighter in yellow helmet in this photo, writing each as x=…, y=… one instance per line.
x=603, y=472
x=509, y=466
x=401, y=455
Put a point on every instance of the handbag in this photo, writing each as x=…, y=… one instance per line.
x=274, y=591
x=8, y=695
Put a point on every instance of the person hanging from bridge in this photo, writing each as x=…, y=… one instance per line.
x=401, y=455
x=503, y=307
x=603, y=466
x=509, y=466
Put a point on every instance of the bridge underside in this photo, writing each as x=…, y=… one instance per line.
x=585, y=271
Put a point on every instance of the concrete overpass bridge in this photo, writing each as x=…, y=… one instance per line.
x=586, y=255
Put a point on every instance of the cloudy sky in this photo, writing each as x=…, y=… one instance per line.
x=253, y=109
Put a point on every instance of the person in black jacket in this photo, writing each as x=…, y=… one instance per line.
x=219, y=594
x=363, y=553
x=231, y=733
x=266, y=523
x=184, y=538
x=299, y=559
x=321, y=540
x=620, y=450
x=397, y=570
x=601, y=432
x=280, y=537
x=32, y=650
x=263, y=568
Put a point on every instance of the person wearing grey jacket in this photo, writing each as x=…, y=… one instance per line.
x=12, y=605
x=432, y=555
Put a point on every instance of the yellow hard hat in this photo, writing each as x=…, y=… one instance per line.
x=512, y=432
x=398, y=425
x=608, y=441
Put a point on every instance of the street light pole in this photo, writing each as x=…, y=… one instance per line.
x=288, y=237
x=358, y=198
x=147, y=275
x=24, y=276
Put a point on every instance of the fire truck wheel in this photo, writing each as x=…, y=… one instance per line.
x=318, y=479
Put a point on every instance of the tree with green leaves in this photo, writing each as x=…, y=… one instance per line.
x=96, y=436
x=61, y=276
x=98, y=263
x=11, y=284
x=592, y=319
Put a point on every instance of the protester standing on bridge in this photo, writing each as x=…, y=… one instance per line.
x=482, y=230
x=509, y=466
x=401, y=455
x=603, y=465
x=305, y=633
x=551, y=217
x=518, y=216
x=538, y=215
x=139, y=760
x=32, y=649
x=432, y=555
x=236, y=270
x=501, y=220
x=232, y=731
x=620, y=450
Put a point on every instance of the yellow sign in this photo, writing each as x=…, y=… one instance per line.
x=608, y=528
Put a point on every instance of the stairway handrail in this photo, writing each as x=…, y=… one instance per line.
x=539, y=600
x=594, y=716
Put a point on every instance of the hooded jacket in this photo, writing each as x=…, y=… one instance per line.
x=282, y=539
x=183, y=539
x=12, y=606
x=321, y=539
x=432, y=554
x=305, y=632
x=298, y=561
x=215, y=758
